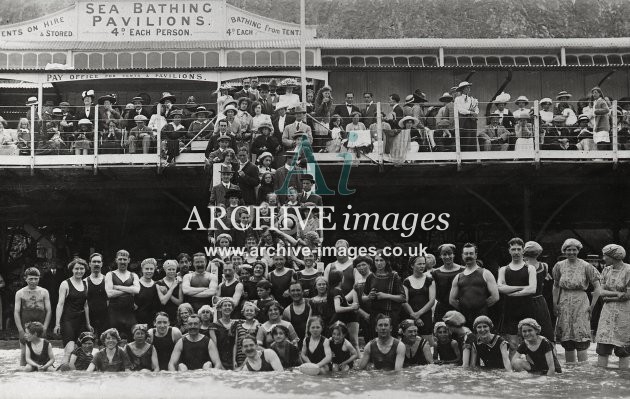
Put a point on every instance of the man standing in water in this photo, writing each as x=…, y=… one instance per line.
x=474, y=290
x=194, y=351
x=265, y=360
x=32, y=303
x=384, y=352
x=121, y=285
x=298, y=312
x=199, y=287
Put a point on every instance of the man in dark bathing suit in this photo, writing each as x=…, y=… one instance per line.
x=265, y=360
x=384, y=352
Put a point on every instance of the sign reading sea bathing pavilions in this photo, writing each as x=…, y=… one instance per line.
x=182, y=20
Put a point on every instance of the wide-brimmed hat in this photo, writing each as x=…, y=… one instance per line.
x=521, y=99
x=32, y=101
x=233, y=193
x=230, y=107
x=264, y=155
x=88, y=93
x=289, y=82
x=137, y=98
x=502, y=98
x=409, y=99
x=356, y=113
x=298, y=109
x=446, y=98
x=280, y=105
x=167, y=96
x=463, y=84
x=563, y=94
x=224, y=86
x=419, y=96
x=246, y=99
x=265, y=124
x=200, y=110
x=175, y=113
x=140, y=118
x=111, y=97
x=546, y=100
x=84, y=121
x=401, y=123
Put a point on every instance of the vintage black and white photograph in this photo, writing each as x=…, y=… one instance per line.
x=315, y=199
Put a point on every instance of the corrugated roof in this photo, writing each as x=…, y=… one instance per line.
x=406, y=43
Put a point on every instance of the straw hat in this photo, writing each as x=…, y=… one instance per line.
x=32, y=101
x=409, y=99
x=110, y=97
x=446, y=98
x=463, y=84
x=265, y=124
x=167, y=96
x=84, y=121
x=137, y=98
x=264, y=155
x=201, y=110
x=563, y=94
x=408, y=118
x=230, y=107
x=140, y=118
x=545, y=100
x=522, y=99
x=289, y=82
x=502, y=98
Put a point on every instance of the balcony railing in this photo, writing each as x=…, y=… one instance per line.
x=457, y=153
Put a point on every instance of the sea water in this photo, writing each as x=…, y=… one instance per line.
x=576, y=382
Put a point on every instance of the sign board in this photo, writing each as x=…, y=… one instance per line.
x=145, y=20
x=197, y=76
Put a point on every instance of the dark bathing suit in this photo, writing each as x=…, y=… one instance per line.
x=264, y=364
x=195, y=354
x=383, y=361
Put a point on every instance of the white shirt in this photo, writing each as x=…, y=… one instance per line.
x=281, y=120
x=465, y=105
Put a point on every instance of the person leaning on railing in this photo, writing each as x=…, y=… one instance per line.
x=140, y=132
x=110, y=139
x=584, y=134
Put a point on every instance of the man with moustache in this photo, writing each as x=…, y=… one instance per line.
x=199, y=287
x=194, y=351
x=264, y=360
x=473, y=290
x=298, y=312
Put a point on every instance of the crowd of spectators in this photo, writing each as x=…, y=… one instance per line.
x=270, y=119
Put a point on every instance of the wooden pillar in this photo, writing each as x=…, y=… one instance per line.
x=527, y=213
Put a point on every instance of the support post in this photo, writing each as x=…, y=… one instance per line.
x=32, y=139
x=379, y=132
x=303, y=49
x=536, y=134
x=96, y=139
x=458, y=145
x=615, y=135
